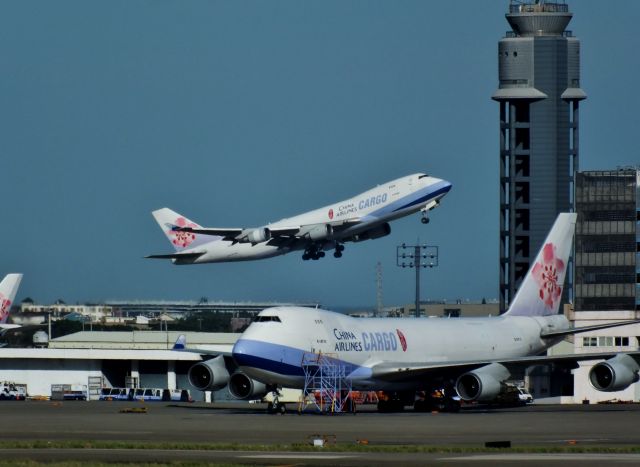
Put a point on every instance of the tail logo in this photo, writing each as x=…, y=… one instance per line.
x=5, y=306
x=403, y=341
x=546, y=275
x=182, y=239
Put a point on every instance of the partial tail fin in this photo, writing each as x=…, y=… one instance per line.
x=168, y=219
x=8, y=289
x=541, y=290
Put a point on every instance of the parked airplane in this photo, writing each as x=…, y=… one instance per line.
x=8, y=289
x=364, y=217
x=404, y=355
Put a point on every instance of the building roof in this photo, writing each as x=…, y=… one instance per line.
x=97, y=354
x=143, y=340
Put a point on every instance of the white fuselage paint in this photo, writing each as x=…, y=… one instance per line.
x=363, y=343
x=372, y=208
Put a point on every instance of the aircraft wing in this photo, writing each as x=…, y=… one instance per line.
x=189, y=255
x=595, y=327
x=213, y=231
x=395, y=372
x=274, y=233
x=221, y=349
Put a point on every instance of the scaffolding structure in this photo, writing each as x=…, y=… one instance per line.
x=327, y=387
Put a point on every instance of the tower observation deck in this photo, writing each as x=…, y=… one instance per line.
x=539, y=94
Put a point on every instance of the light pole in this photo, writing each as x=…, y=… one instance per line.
x=417, y=256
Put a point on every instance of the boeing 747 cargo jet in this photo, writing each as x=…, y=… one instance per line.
x=400, y=356
x=364, y=217
x=8, y=289
x=474, y=356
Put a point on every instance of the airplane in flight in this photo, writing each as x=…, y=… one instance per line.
x=364, y=217
x=471, y=356
x=8, y=289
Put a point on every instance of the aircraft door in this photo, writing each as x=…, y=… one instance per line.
x=319, y=338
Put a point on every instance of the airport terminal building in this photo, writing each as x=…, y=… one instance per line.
x=607, y=268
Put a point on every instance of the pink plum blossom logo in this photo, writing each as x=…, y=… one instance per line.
x=5, y=306
x=330, y=213
x=403, y=340
x=546, y=276
x=182, y=239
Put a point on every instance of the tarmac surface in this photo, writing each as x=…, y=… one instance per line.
x=552, y=426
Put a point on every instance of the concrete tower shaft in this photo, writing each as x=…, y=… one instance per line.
x=539, y=92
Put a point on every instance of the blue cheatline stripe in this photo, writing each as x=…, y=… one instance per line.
x=282, y=359
x=424, y=198
x=418, y=197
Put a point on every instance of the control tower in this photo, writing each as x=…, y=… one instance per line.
x=539, y=94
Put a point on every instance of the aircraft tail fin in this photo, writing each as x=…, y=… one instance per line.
x=168, y=220
x=541, y=290
x=8, y=289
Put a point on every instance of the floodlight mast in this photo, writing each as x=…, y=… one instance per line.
x=423, y=256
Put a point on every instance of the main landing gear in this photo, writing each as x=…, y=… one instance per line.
x=276, y=407
x=425, y=219
x=315, y=253
x=312, y=253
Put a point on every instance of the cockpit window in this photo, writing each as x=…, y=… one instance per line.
x=264, y=319
x=422, y=176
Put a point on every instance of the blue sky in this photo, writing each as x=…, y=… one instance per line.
x=236, y=113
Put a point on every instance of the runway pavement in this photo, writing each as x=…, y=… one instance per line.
x=608, y=425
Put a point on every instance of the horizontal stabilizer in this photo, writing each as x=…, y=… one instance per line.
x=595, y=327
x=190, y=255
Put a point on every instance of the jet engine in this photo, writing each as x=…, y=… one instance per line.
x=258, y=235
x=614, y=374
x=317, y=232
x=483, y=384
x=377, y=232
x=209, y=375
x=245, y=388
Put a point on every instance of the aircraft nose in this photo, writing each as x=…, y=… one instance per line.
x=242, y=352
x=239, y=349
x=444, y=184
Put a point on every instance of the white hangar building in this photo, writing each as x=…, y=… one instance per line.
x=141, y=359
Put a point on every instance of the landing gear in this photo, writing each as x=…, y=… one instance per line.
x=276, y=407
x=339, y=250
x=313, y=253
x=425, y=219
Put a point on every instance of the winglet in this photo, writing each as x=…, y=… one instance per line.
x=8, y=289
x=541, y=291
x=181, y=343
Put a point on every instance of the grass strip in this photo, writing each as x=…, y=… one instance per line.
x=339, y=447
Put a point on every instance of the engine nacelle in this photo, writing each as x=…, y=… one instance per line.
x=483, y=384
x=614, y=374
x=210, y=375
x=245, y=388
x=258, y=235
x=371, y=234
x=317, y=232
